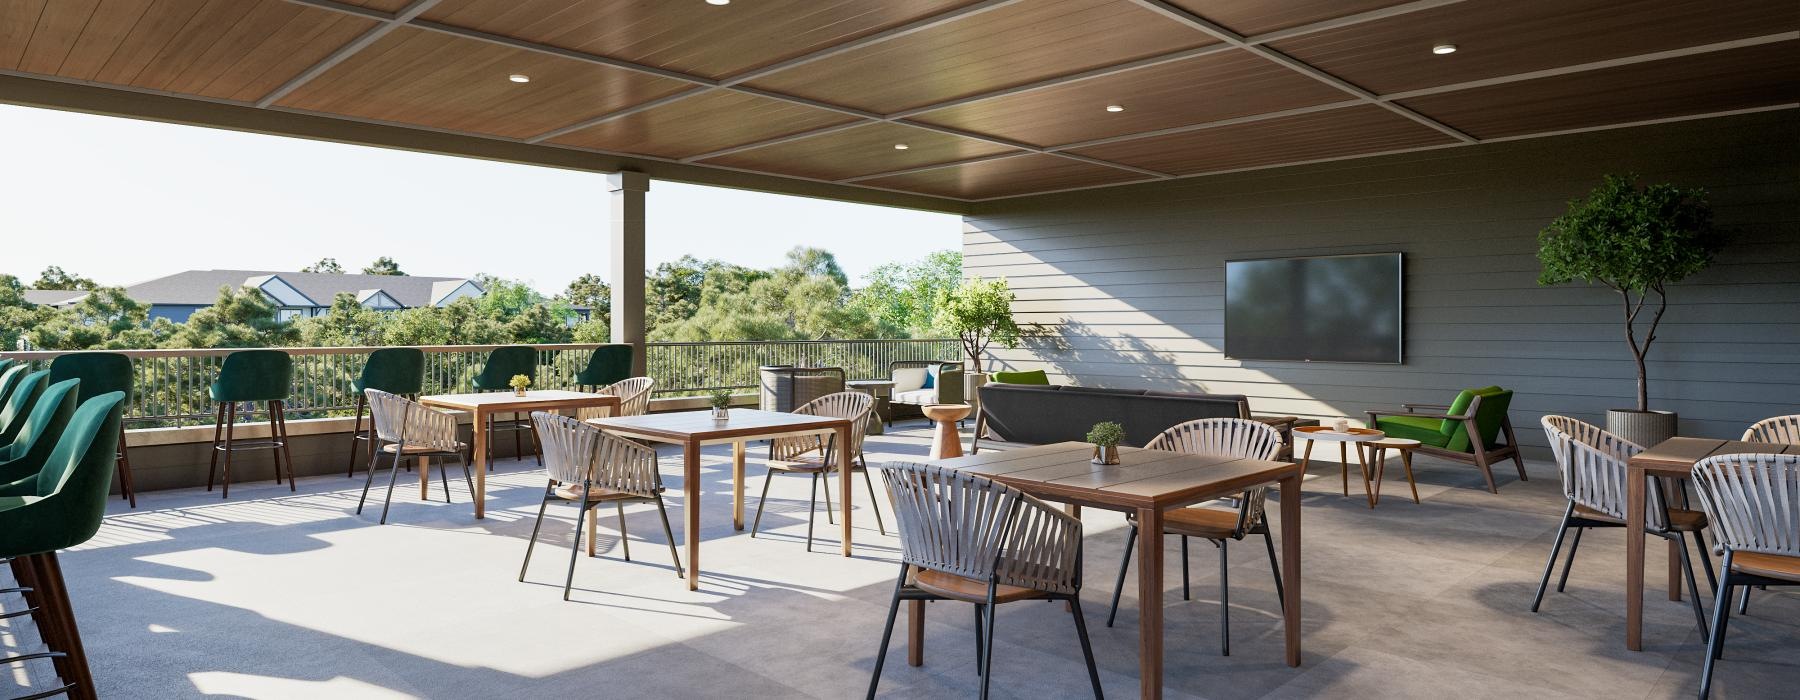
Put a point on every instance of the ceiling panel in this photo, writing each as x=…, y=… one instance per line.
x=1329, y=134
x=689, y=35
x=709, y=122
x=1715, y=82
x=226, y=50
x=858, y=151
x=415, y=76
x=1507, y=37
x=1034, y=172
x=1013, y=45
x=1252, y=17
x=1206, y=88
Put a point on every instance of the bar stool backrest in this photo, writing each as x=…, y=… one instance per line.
x=10, y=377
x=393, y=370
x=1752, y=501
x=503, y=364
x=634, y=395
x=974, y=527
x=576, y=453
x=99, y=372
x=1236, y=438
x=25, y=394
x=854, y=405
x=254, y=375
x=28, y=452
x=398, y=420
x=608, y=364
x=1593, y=464
x=1780, y=429
x=72, y=487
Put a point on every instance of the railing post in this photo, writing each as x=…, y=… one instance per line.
x=627, y=264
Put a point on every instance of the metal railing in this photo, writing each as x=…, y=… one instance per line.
x=171, y=385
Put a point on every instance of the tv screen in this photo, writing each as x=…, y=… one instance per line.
x=1339, y=308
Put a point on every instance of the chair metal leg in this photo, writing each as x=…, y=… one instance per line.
x=669, y=535
x=127, y=491
x=467, y=478
x=1562, y=528
x=624, y=538
x=225, y=476
x=1569, y=563
x=444, y=476
x=575, y=547
x=1125, y=565
x=287, y=453
x=362, y=405
x=887, y=632
x=534, y=530
x=1224, y=600
x=1275, y=566
x=830, y=517
x=367, y=482
x=767, y=477
x=1087, y=649
x=811, y=508
x=393, y=474
x=1715, y=644
x=218, y=429
x=1744, y=605
x=1687, y=567
x=1184, y=569
x=987, y=645
x=1712, y=580
x=874, y=502
x=979, y=639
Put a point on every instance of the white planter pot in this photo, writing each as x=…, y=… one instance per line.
x=1646, y=428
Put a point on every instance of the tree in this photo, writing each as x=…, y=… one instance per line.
x=346, y=324
x=55, y=278
x=17, y=315
x=979, y=311
x=594, y=293
x=1635, y=241
x=239, y=318
x=105, y=319
x=330, y=266
x=902, y=296
x=383, y=265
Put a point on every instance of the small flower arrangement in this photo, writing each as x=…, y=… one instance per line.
x=1106, y=436
x=720, y=400
x=519, y=383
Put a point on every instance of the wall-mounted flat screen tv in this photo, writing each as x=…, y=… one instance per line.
x=1337, y=308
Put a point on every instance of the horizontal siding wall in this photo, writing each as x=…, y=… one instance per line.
x=1131, y=279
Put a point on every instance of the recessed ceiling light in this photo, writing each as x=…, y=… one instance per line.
x=1115, y=108
x=901, y=146
x=1442, y=49
x=718, y=2
x=519, y=78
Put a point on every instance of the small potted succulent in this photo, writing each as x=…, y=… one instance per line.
x=720, y=400
x=519, y=383
x=1106, y=437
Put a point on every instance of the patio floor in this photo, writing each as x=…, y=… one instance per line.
x=272, y=594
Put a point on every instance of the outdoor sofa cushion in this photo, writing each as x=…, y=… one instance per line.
x=1036, y=377
x=908, y=379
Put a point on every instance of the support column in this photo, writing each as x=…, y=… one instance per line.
x=627, y=266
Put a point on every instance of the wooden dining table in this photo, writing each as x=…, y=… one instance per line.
x=1147, y=483
x=1672, y=458
x=693, y=430
x=485, y=405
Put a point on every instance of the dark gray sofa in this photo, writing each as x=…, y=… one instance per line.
x=1044, y=414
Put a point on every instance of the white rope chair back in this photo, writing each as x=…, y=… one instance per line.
x=576, y=453
x=1780, y=429
x=853, y=405
x=1593, y=466
x=1236, y=438
x=970, y=526
x=1752, y=501
x=398, y=419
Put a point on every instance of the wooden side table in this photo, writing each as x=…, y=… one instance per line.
x=881, y=389
x=1378, y=454
x=946, y=442
x=1357, y=435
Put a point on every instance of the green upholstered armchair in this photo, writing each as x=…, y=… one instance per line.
x=25, y=393
x=39, y=433
x=1469, y=429
x=608, y=365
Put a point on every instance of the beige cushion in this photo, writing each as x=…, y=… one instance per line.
x=916, y=397
x=908, y=379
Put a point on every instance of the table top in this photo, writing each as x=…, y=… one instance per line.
x=537, y=399
x=1142, y=478
x=1677, y=456
x=946, y=411
x=700, y=426
x=1397, y=443
x=1324, y=433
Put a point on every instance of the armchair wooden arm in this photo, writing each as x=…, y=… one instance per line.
x=1440, y=416
x=1410, y=407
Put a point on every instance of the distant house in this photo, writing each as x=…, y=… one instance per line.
x=296, y=294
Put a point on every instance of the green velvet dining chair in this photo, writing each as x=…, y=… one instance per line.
x=608, y=364
x=398, y=371
x=58, y=507
x=25, y=393
x=504, y=363
x=1469, y=429
x=251, y=376
x=101, y=373
x=39, y=433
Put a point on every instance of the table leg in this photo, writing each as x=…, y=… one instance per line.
x=690, y=531
x=479, y=446
x=1290, y=565
x=844, y=456
x=1378, y=455
x=1344, y=464
x=1150, y=607
x=1364, y=464
x=424, y=467
x=1634, y=559
x=737, y=485
x=1306, y=457
x=915, y=633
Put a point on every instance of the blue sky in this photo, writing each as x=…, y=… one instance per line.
x=124, y=200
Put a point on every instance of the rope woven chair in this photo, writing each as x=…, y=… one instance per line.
x=1780, y=429
x=1754, y=503
x=812, y=455
x=411, y=430
x=1593, y=466
x=634, y=399
x=1234, y=438
x=589, y=467
x=964, y=537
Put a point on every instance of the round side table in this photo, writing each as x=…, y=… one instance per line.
x=1322, y=433
x=946, y=442
x=1378, y=454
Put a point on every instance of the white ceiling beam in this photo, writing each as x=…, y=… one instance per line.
x=387, y=24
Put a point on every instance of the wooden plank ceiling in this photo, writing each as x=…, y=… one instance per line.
x=957, y=99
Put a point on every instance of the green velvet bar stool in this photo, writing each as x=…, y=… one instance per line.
x=399, y=371
x=41, y=429
x=503, y=364
x=101, y=373
x=250, y=376
x=609, y=364
x=9, y=380
x=25, y=393
x=5, y=363
x=60, y=507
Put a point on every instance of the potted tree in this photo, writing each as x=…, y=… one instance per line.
x=1635, y=241
x=1106, y=436
x=979, y=312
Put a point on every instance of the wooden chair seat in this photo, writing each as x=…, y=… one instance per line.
x=1210, y=523
x=572, y=492
x=1679, y=520
x=1768, y=565
x=420, y=449
x=969, y=590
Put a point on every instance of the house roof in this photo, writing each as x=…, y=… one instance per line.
x=201, y=287
x=53, y=297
